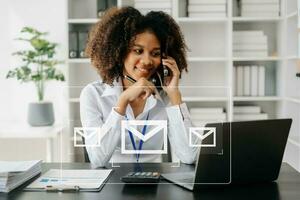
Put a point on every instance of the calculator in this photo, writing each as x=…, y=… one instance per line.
x=141, y=177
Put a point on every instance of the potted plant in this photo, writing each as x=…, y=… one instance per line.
x=38, y=66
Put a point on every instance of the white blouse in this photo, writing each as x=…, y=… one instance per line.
x=97, y=102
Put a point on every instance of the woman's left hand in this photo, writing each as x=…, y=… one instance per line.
x=171, y=82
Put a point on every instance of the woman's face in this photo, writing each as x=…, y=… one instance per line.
x=144, y=56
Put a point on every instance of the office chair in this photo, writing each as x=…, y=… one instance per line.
x=86, y=156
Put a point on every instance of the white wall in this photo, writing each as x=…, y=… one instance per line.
x=44, y=15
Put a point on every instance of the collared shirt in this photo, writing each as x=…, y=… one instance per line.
x=97, y=102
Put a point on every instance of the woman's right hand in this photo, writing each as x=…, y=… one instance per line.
x=140, y=89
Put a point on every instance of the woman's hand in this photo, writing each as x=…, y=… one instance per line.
x=140, y=89
x=171, y=82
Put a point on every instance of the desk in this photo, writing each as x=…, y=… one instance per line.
x=25, y=131
x=287, y=187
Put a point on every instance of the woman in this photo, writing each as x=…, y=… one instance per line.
x=127, y=49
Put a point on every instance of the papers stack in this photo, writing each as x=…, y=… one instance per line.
x=202, y=116
x=250, y=44
x=85, y=180
x=13, y=174
x=245, y=113
x=207, y=8
x=249, y=80
x=145, y=6
x=260, y=8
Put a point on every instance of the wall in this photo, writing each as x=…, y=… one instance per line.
x=45, y=15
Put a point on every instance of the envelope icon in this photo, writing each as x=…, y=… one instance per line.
x=202, y=134
x=157, y=126
x=87, y=133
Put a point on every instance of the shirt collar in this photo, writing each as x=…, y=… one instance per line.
x=113, y=90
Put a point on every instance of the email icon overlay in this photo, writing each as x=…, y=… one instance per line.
x=87, y=133
x=202, y=137
x=156, y=132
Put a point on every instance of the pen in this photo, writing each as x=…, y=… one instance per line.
x=50, y=188
x=130, y=79
x=133, y=81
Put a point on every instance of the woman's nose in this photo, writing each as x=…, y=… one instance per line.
x=146, y=60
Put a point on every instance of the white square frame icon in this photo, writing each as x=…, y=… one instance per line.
x=161, y=125
x=195, y=131
x=82, y=132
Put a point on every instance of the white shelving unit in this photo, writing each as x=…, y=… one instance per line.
x=210, y=78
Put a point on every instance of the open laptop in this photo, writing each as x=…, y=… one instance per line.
x=245, y=152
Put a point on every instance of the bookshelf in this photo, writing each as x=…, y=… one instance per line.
x=210, y=80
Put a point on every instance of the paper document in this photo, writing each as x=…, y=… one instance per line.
x=86, y=180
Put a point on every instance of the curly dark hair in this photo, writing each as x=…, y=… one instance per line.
x=111, y=39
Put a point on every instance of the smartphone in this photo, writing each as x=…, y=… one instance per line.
x=158, y=77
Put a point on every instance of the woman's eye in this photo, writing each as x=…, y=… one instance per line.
x=156, y=54
x=138, y=51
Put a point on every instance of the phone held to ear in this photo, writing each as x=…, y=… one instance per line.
x=158, y=77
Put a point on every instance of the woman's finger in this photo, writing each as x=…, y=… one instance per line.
x=173, y=68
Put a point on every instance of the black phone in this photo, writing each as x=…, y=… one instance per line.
x=158, y=77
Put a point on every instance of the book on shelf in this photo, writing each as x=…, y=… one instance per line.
x=207, y=2
x=208, y=116
x=207, y=8
x=239, y=81
x=260, y=14
x=246, y=109
x=82, y=40
x=261, y=81
x=250, y=80
x=150, y=5
x=242, y=39
x=246, y=117
x=234, y=81
x=246, y=84
x=254, y=80
x=248, y=33
x=211, y=110
x=152, y=1
x=260, y=1
x=144, y=11
x=242, y=46
x=260, y=7
x=250, y=53
x=207, y=14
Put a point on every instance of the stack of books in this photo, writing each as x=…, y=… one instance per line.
x=250, y=44
x=13, y=174
x=260, y=8
x=200, y=116
x=207, y=8
x=247, y=113
x=249, y=80
x=145, y=6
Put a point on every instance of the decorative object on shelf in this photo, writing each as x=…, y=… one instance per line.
x=38, y=67
x=103, y=5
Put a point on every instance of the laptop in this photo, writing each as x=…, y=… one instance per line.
x=244, y=152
